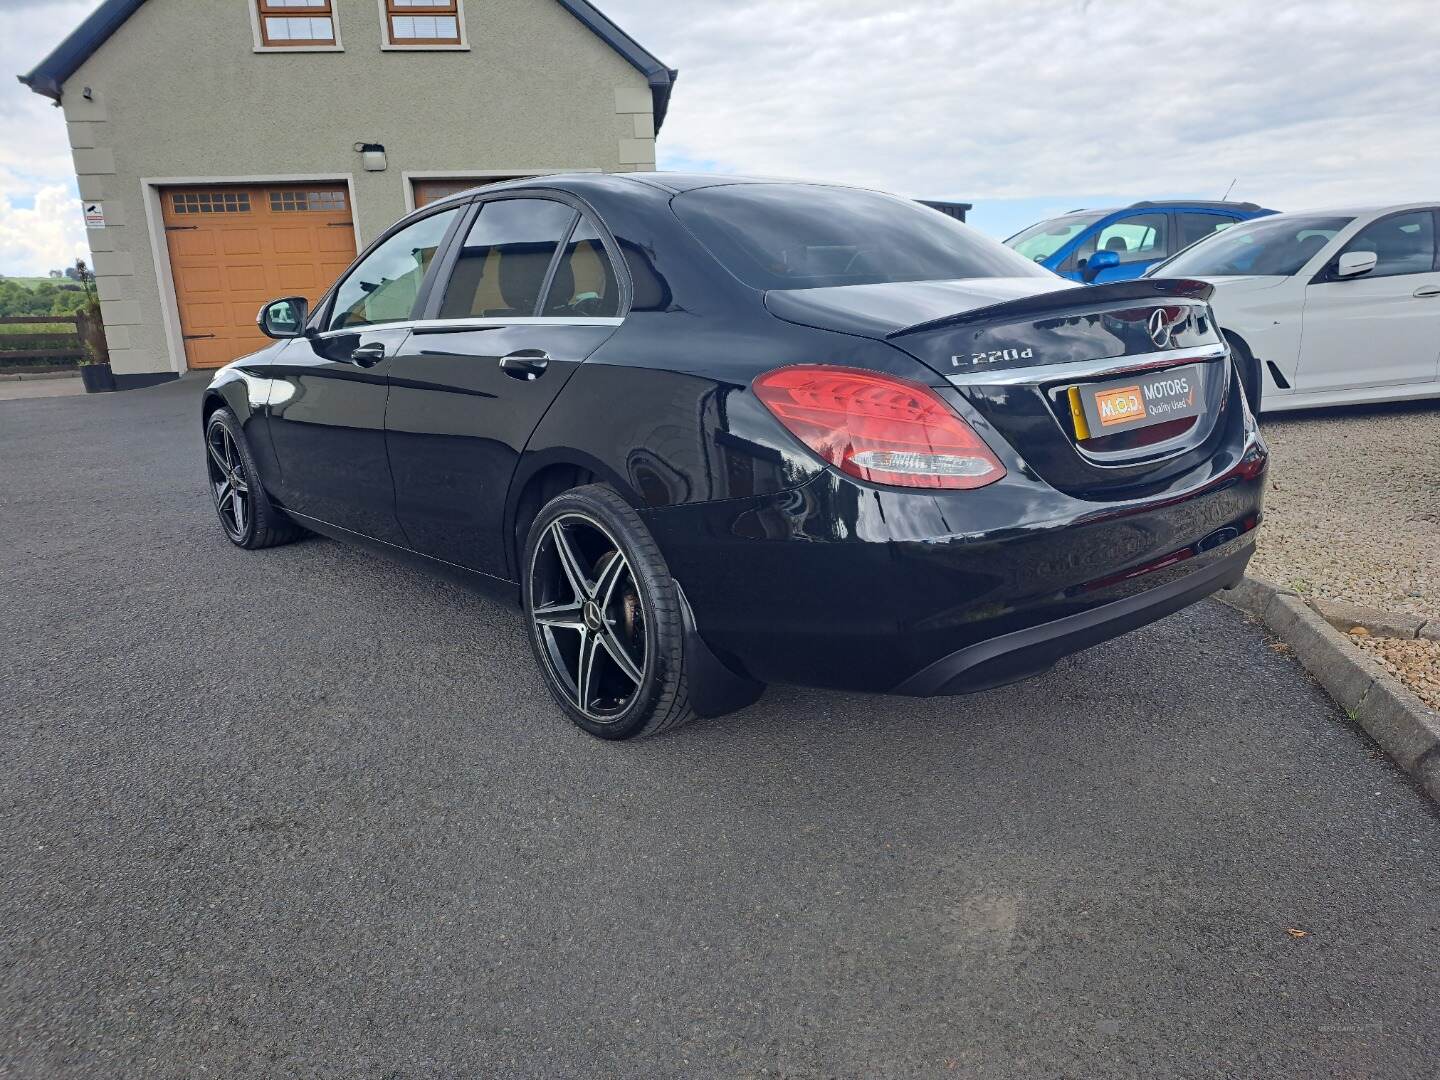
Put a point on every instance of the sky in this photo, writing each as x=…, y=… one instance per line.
x=1026, y=108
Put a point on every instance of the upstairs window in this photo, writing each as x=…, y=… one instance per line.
x=296, y=23
x=424, y=24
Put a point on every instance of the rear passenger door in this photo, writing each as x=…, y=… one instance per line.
x=1192, y=226
x=529, y=293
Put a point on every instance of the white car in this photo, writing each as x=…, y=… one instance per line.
x=1326, y=307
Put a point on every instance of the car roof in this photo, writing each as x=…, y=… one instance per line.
x=1361, y=211
x=1165, y=204
x=672, y=183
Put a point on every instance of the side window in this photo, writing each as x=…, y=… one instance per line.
x=1196, y=227
x=1403, y=244
x=1139, y=238
x=383, y=287
x=502, y=266
x=585, y=283
x=423, y=22
x=296, y=23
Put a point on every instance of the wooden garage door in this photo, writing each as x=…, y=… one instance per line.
x=233, y=248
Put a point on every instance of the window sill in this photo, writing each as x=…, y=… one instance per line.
x=298, y=48
x=425, y=48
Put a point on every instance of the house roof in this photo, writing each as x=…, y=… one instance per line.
x=50, y=74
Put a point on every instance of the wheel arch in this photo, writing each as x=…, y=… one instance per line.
x=1245, y=356
x=212, y=403
x=539, y=479
x=230, y=391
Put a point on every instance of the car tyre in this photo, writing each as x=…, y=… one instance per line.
x=604, y=616
x=1249, y=369
x=247, y=516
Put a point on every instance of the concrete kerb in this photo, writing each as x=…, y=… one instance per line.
x=30, y=376
x=1403, y=725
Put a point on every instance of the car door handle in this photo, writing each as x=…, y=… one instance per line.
x=527, y=364
x=368, y=355
x=1426, y=290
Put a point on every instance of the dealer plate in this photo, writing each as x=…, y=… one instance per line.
x=1138, y=401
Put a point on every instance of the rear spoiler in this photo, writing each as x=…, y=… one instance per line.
x=1138, y=289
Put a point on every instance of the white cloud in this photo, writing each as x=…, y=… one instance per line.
x=41, y=226
x=1304, y=102
x=43, y=237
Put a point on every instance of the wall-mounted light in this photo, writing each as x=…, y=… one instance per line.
x=89, y=94
x=372, y=156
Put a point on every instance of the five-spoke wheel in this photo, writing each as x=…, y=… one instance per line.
x=228, y=482
x=589, y=613
x=604, y=614
x=247, y=515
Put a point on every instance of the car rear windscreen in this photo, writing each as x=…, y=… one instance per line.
x=802, y=236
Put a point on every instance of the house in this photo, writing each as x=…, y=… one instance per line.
x=232, y=151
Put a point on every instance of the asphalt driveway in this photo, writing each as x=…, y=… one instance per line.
x=306, y=813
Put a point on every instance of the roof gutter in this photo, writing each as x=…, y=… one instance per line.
x=50, y=74
x=660, y=78
x=42, y=85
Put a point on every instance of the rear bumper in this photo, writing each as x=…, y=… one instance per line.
x=1021, y=653
x=842, y=585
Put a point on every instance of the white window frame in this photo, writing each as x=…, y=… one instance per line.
x=261, y=47
x=386, y=45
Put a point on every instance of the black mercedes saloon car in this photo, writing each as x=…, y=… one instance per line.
x=713, y=432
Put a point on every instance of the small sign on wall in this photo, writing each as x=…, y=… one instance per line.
x=94, y=215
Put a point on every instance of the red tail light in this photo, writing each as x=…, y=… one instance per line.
x=877, y=427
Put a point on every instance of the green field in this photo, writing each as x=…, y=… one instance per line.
x=31, y=282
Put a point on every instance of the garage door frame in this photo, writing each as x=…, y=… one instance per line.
x=153, y=188
x=409, y=176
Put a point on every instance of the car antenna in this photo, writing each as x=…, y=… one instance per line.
x=1228, y=190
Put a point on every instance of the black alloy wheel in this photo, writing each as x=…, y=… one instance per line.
x=246, y=514
x=604, y=616
x=589, y=615
x=229, y=483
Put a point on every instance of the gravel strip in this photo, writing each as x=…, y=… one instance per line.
x=1353, y=512
x=1416, y=663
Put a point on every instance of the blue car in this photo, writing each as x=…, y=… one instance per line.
x=1115, y=245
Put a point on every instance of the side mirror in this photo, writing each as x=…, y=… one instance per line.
x=1355, y=263
x=1101, y=260
x=284, y=318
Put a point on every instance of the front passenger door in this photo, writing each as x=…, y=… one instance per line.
x=326, y=411
x=531, y=293
x=1381, y=328
x=1140, y=241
